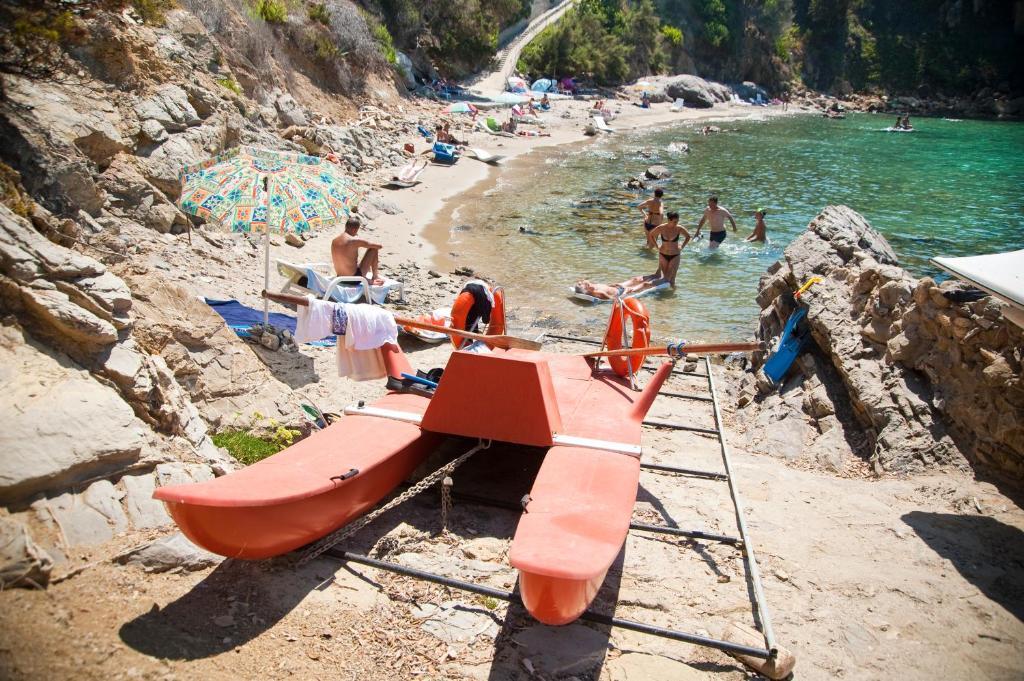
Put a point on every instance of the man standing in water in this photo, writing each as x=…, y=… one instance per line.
x=715, y=216
x=345, y=254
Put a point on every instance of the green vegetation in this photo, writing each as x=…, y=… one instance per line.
x=12, y=194
x=606, y=40
x=231, y=84
x=270, y=11
x=458, y=36
x=153, y=11
x=324, y=47
x=319, y=13
x=387, y=45
x=249, y=448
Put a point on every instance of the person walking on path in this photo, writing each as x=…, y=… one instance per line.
x=715, y=216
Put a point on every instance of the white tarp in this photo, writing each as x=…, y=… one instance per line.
x=1001, y=274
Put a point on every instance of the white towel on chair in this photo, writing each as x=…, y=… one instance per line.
x=314, y=320
x=369, y=327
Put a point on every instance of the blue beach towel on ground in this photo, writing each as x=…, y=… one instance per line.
x=239, y=318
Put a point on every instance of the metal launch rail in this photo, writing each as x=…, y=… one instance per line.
x=763, y=623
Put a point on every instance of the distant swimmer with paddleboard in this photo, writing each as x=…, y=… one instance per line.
x=652, y=212
x=715, y=216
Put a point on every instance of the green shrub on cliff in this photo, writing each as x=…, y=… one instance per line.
x=270, y=11
x=607, y=40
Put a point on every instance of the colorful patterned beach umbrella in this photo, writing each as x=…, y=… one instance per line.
x=247, y=189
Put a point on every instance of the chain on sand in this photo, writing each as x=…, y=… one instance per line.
x=349, y=530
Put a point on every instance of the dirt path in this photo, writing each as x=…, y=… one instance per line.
x=897, y=578
x=507, y=57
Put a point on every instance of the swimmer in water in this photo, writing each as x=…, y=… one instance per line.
x=759, y=233
x=715, y=216
x=670, y=250
x=652, y=212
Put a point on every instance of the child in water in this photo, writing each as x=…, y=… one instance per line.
x=759, y=227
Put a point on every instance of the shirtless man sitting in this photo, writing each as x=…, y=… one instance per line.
x=345, y=254
x=715, y=216
x=612, y=291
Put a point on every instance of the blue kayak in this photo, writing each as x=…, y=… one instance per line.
x=789, y=347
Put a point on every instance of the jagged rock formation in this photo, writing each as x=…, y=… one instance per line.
x=930, y=381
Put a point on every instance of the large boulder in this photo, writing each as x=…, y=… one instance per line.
x=61, y=425
x=133, y=197
x=694, y=90
x=930, y=381
x=69, y=116
x=169, y=106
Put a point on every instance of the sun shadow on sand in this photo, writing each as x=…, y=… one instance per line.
x=575, y=649
x=984, y=551
x=237, y=602
x=294, y=369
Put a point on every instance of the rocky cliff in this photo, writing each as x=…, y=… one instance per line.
x=112, y=369
x=929, y=381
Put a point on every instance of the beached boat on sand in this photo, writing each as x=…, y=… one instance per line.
x=579, y=509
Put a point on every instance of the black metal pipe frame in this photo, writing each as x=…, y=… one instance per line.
x=512, y=597
x=711, y=475
x=658, y=423
x=741, y=524
x=642, y=527
x=686, y=396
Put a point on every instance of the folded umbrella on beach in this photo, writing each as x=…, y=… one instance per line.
x=460, y=107
x=248, y=189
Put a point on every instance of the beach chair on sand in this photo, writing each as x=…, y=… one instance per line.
x=407, y=176
x=445, y=153
x=601, y=125
x=678, y=105
x=485, y=127
x=484, y=156
x=318, y=279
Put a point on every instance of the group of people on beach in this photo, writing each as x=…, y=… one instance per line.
x=663, y=232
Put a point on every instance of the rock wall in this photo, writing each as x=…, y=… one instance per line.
x=931, y=381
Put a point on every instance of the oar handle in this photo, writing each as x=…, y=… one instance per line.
x=505, y=342
x=689, y=349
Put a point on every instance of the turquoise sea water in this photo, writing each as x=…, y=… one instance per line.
x=950, y=188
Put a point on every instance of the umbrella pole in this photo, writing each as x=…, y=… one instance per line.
x=266, y=274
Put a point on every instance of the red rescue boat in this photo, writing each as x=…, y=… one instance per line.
x=580, y=506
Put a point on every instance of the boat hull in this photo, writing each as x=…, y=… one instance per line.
x=255, y=532
x=305, y=492
x=557, y=601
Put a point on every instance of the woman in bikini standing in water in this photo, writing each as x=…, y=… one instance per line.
x=651, y=209
x=668, y=254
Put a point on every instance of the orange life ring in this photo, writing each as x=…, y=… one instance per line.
x=497, y=324
x=641, y=321
x=460, y=311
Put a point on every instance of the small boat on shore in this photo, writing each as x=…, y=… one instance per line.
x=578, y=511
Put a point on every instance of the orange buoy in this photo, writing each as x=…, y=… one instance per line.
x=497, y=324
x=460, y=311
x=635, y=311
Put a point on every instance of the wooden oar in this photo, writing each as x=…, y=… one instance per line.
x=505, y=342
x=690, y=349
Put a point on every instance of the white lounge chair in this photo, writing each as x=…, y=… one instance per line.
x=678, y=105
x=318, y=279
x=484, y=156
x=408, y=175
x=601, y=125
